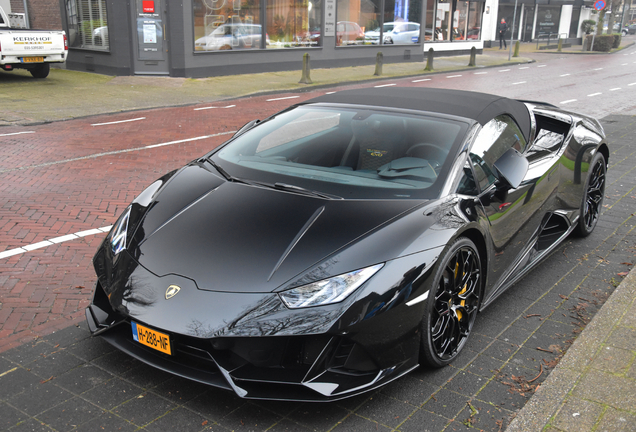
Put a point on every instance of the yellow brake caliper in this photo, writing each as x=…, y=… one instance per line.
x=463, y=302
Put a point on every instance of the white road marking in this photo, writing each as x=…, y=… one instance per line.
x=330, y=92
x=120, y=121
x=212, y=107
x=118, y=151
x=542, y=66
x=598, y=69
x=420, y=80
x=624, y=64
x=614, y=89
x=385, y=85
x=567, y=101
x=283, y=98
x=504, y=70
x=453, y=76
x=52, y=241
x=631, y=84
x=564, y=75
x=525, y=67
x=520, y=82
x=481, y=73
x=17, y=133
x=594, y=94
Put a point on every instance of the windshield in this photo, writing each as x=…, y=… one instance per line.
x=350, y=153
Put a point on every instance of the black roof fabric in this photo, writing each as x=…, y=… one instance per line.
x=481, y=107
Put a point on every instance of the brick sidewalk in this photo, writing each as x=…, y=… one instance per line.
x=594, y=385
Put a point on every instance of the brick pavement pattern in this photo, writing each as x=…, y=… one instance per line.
x=51, y=185
x=593, y=387
x=68, y=381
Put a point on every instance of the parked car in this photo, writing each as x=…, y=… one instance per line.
x=349, y=33
x=33, y=50
x=630, y=29
x=337, y=245
x=231, y=36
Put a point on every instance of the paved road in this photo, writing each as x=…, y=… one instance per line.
x=61, y=182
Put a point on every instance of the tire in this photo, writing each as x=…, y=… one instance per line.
x=41, y=70
x=452, y=304
x=593, y=193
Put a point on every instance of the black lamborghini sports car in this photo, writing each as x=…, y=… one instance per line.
x=337, y=245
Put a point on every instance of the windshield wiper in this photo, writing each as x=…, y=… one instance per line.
x=279, y=186
x=303, y=191
x=224, y=173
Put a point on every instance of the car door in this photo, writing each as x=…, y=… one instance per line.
x=511, y=215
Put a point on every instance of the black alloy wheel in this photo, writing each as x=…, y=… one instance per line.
x=453, y=303
x=593, y=198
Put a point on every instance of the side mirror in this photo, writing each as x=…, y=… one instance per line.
x=512, y=166
x=247, y=126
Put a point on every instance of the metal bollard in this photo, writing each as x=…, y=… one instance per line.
x=473, y=53
x=429, y=60
x=379, y=61
x=516, y=54
x=305, y=78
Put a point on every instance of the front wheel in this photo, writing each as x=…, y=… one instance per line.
x=41, y=70
x=593, y=193
x=452, y=304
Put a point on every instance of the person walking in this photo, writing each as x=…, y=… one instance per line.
x=502, y=28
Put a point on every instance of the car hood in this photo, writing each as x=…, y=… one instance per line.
x=233, y=237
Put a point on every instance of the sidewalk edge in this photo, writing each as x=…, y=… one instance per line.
x=551, y=395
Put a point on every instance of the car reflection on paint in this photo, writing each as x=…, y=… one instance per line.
x=339, y=244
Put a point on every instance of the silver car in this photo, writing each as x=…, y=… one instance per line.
x=402, y=33
x=231, y=36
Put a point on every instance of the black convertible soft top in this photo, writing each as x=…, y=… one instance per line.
x=481, y=107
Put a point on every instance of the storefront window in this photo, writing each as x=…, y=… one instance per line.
x=293, y=23
x=453, y=21
x=574, y=24
x=358, y=22
x=87, y=24
x=507, y=12
x=430, y=21
x=442, y=21
x=548, y=18
x=227, y=25
x=401, y=22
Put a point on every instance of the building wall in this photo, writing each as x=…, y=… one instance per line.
x=116, y=61
x=44, y=14
x=17, y=6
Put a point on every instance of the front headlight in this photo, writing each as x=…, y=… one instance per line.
x=327, y=291
x=119, y=232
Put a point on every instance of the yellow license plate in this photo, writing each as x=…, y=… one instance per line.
x=151, y=338
x=32, y=59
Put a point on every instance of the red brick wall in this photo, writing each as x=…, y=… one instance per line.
x=17, y=6
x=43, y=14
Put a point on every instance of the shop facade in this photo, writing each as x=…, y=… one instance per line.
x=201, y=38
